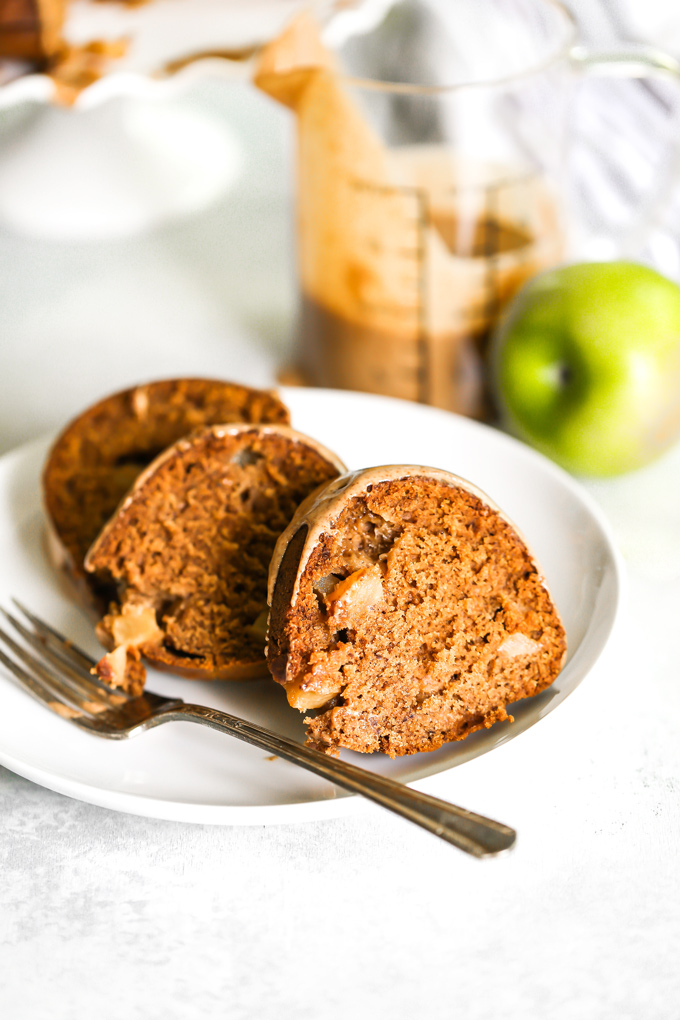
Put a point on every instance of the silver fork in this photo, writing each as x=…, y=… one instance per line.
x=57, y=672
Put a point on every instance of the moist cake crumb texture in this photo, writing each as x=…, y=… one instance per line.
x=414, y=617
x=189, y=549
x=99, y=455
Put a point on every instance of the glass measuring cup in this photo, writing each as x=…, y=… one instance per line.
x=432, y=183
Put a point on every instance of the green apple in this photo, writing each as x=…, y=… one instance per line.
x=585, y=366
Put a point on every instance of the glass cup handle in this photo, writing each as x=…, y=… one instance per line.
x=638, y=62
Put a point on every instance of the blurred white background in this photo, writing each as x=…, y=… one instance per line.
x=213, y=290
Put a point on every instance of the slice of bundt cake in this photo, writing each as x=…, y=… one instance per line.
x=189, y=549
x=31, y=29
x=406, y=611
x=97, y=457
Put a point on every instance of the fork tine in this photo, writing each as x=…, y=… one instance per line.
x=67, y=692
x=81, y=682
x=39, y=690
x=45, y=687
x=66, y=686
x=63, y=644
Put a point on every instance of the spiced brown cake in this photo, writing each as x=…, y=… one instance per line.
x=189, y=550
x=98, y=456
x=31, y=29
x=406, y=611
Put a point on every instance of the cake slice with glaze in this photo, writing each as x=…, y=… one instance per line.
x=188, y=552
x=407, y=611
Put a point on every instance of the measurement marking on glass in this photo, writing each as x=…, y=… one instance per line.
x=468, y=220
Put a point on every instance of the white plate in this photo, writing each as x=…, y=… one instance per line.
x=193, y=774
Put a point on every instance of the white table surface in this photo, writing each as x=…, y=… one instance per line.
x=113, y=916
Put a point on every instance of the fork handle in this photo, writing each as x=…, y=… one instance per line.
x=470, y=832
